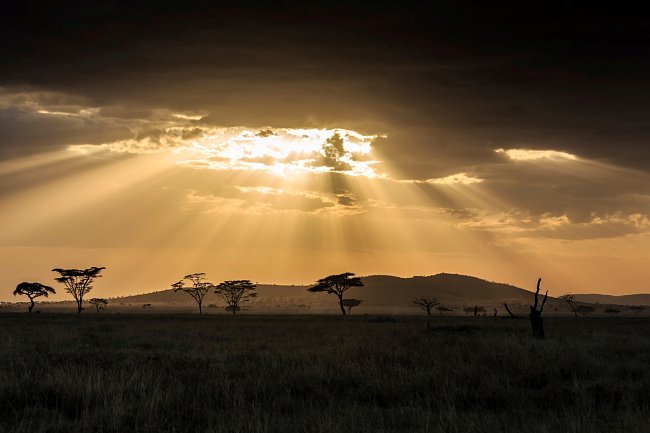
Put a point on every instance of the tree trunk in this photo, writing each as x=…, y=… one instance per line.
x=341, y=305
x=31, y=305
x=429, y=323
x=79, y=308
x=200, y=309
x=508, y=310
x=475, y=310
x=537, y=323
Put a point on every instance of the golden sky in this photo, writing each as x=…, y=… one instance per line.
x=281, y=146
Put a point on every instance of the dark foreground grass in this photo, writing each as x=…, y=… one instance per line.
x=176, y=373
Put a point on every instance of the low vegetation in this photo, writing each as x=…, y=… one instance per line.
x=216, y=373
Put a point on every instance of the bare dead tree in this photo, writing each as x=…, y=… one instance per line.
x=509, y=312
x=535, y=315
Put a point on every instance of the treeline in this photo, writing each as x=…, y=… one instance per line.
x=236, y=293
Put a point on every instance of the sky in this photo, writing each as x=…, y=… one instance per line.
x=285, y=141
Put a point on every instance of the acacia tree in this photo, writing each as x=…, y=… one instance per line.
x=235, y=292
x=78, y=282
x=468, y=310
x=426, y=305
x=584, y=309
x=569, y=298
x=98, y=303
x=442, y=309
x=637, y=309
x=535, y=316
x=199, y=288
x=350, y=303
x=337, y=285
x=33, y=291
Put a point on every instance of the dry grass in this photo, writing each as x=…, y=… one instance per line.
x=182, y=373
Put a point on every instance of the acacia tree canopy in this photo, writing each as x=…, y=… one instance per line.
x=78, y=282
x=197, y=290
x=32, y=291
x=337, y=285
x=426, y=304
x=235, y=292
x=569, y=298
x=98, y=303
x=351, y=303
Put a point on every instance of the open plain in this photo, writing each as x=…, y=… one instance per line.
x=270, y=373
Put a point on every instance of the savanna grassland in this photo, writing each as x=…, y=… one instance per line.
x=186, y=373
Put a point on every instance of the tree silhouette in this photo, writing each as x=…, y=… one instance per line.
x=442, y=309
x=350, y=303
x=33, y=291
x=235, y=292
x=199, y=288
x=426, y=305
x=98, y=303
x=569, y=298
x=637, y=309
x=535, y=316
x=512, y=316
x=612, y=310
x=584, y=309
x=337, y=285
x=78, y=282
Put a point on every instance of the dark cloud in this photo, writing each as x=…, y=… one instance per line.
x=25, y=132
x=334, y=151
x=446, y=82
x=265, y=133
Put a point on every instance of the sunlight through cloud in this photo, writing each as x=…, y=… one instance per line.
x=285, y=151
x=532, y=155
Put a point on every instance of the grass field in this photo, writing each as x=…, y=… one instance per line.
x=185, y=373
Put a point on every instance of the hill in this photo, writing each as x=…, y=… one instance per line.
x=380, y=293
x=639, y=299
x=447, y=288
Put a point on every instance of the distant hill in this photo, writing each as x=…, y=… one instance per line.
x=380, y=292
x=640, y=299
x=447, y=288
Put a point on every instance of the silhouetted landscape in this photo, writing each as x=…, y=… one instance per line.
x=324, y=216
x=179, y=369
x=381, y=294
